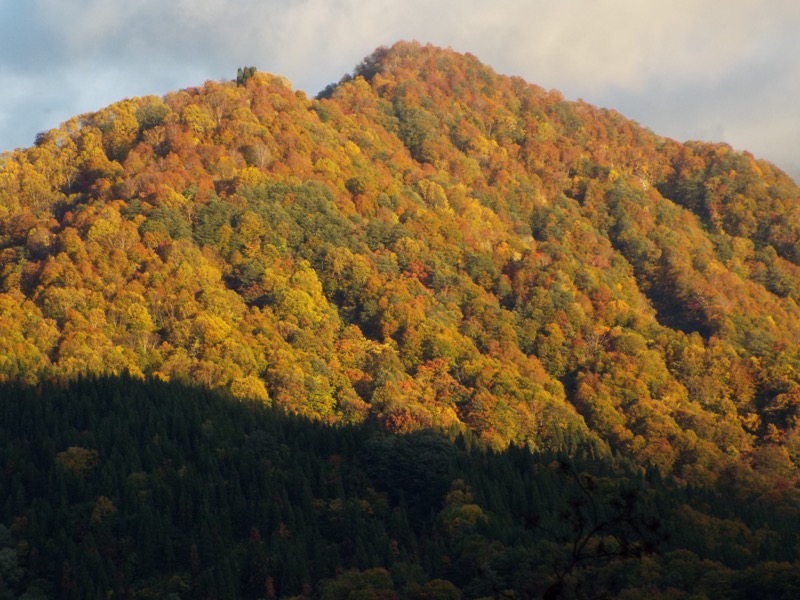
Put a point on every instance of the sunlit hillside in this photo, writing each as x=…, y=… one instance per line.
x=426, y=245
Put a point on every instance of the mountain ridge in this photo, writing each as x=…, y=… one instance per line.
x=427, y=244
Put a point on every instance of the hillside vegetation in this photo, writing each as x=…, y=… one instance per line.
x=426, y=245
x=117, y=487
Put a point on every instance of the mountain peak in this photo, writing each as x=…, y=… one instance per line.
x=410, y=59
x=430, y=244
x=427, y=246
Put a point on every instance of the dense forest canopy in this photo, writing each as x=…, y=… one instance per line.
x=426, y=245
x=118, y=487
x=429, y=244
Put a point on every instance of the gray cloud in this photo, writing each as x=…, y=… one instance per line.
x=697, y=69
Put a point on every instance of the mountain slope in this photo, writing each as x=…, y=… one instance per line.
x=115, y=486
x=426, y=244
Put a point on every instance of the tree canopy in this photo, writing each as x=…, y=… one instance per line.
x=427, y=245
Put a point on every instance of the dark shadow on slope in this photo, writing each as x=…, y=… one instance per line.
x=674, y=313
x=154, y=489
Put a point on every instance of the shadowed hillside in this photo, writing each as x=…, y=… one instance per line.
x=145, y=489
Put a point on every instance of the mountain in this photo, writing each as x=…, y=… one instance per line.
x=427, y=244
x=241, y=290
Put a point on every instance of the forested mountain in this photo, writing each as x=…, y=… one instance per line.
x=426, y=245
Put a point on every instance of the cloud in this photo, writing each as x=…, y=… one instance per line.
x=685, y=68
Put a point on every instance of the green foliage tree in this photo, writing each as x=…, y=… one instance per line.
x=243, y=74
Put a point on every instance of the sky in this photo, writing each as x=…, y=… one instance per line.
x=713, y=70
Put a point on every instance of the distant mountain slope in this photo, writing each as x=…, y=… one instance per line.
x=427, y=244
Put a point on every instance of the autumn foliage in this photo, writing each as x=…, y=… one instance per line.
x=428, y=244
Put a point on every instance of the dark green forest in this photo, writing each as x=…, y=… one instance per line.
x=117, y=487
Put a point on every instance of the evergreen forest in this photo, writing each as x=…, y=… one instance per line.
x=118, y=487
